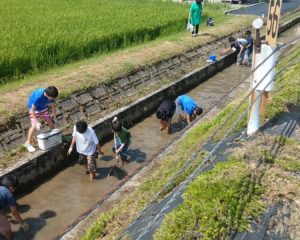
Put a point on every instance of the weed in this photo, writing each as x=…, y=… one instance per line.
x=268, y=156
x=215, y=204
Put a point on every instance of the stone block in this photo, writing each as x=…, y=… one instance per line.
x=164, y=65
x=15, y=136
x=151, y=70
x=123, y=82
x=98, y=92
x=24, y=122
x=114, y=92
x=92, y=109
x=84, y=98
x=191, y=54
x=142, y=74
x=75, y=116
x=176, y=61
x=69, y=104
x=134, y=78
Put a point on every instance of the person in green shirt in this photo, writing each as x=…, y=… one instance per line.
x=195, y=16
x=122, y=139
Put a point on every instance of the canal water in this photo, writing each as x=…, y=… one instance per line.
x=56, y=203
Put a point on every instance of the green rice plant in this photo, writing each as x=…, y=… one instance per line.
x=36, y=35
x=39, y=34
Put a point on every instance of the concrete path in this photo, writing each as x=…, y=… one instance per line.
x=260, y=9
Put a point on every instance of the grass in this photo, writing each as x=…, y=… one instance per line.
x=10, y=156
x=288, y=84
x=217, y=203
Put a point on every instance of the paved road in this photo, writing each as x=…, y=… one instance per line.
x=263, y=8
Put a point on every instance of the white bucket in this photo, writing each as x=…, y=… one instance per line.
x=49, y=139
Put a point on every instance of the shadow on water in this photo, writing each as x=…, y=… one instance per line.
x=118, y=170
x=107, y=158
x=136, y=155
x=35, y=225
x=114, y=170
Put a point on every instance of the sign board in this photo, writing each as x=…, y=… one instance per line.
x=273, y=21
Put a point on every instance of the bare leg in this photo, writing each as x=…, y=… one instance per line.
x=180, y=119
x=50, y=124
x=86, y=167
x=92, y=176
x=30, y=134
x=161, y=125
x=169, y=125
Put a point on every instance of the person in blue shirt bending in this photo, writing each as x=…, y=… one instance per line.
x=185, y=104
x=249, y=48
x=38, y=108
x=7, y=199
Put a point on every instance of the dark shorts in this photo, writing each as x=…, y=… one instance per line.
x=90, y=161
x=5, y=230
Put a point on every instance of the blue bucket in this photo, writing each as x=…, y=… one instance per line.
x=212, y=58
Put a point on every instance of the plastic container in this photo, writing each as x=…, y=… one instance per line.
x=212, y=59
x=49, y=139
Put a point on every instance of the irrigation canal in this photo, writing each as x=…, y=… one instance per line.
x=53, y=205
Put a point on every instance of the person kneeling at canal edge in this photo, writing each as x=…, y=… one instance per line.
x=186, y=104
x=122, y=139
x=86, y=145
x=7, y=199
x=165, y=112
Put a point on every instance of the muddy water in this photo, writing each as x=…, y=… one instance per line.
x=56, y=203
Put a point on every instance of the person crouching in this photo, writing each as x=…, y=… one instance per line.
x=122, y=139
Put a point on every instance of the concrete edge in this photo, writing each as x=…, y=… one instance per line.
x=229, y=11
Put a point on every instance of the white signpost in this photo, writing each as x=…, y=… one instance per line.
x=260, y=83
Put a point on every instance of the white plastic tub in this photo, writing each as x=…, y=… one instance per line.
x=49, y=139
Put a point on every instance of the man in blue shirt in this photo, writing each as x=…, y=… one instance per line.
x=185, y=104
x=38, y=108
x=239, y=46
x=7, y=199
x=249, y=48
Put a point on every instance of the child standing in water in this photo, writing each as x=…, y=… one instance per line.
x=165, y=112
x=86, y=145
x=122, y=139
